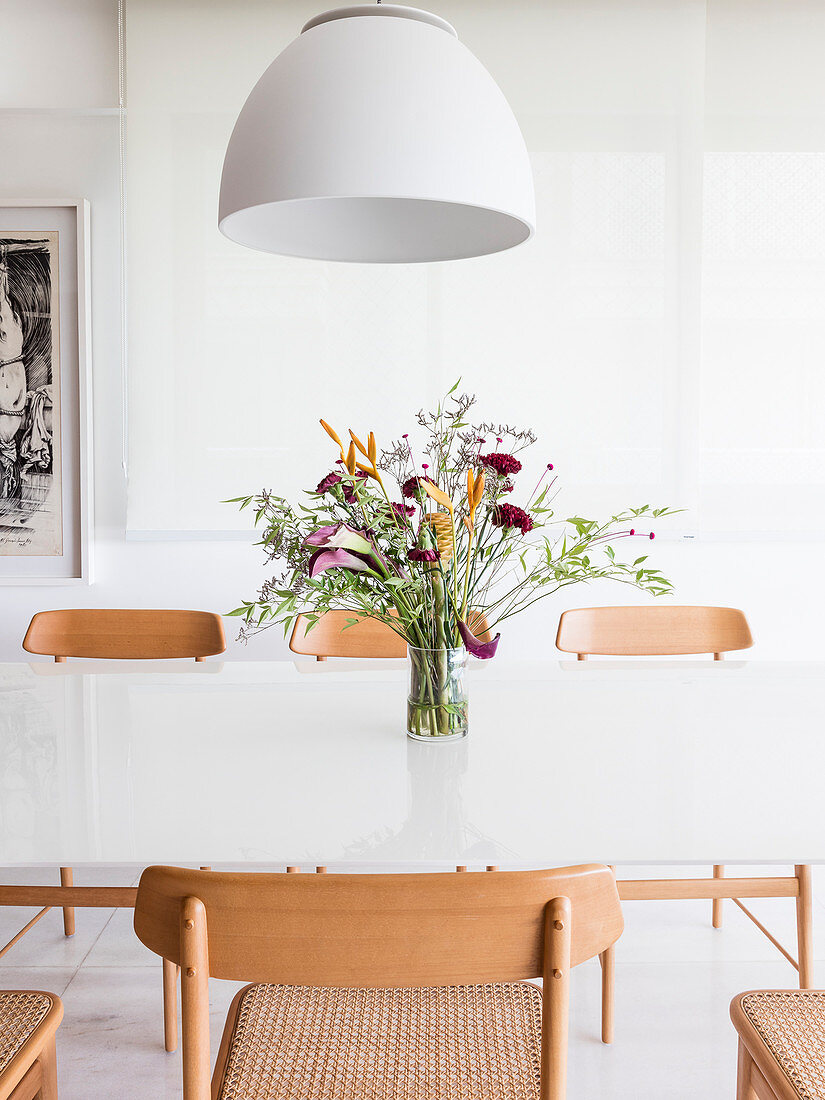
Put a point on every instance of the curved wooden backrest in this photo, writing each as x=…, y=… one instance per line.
x=125, y=634
x=378, y=930
x=652, y=631
x=332, y=637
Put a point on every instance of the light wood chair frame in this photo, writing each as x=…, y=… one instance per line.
x=796, y=887
x=32, y=1072
x=758, y=1074
x=134, y=634
x=671, y=631
x=331, y=636
x=538, y=924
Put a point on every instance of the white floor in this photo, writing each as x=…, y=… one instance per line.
x=675, y=977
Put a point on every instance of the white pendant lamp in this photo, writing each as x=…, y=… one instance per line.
x=377, y=137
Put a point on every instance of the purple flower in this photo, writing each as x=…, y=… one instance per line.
x=339, y=536
x=483, y=650
x=325, y=484
x=402, y=510
x=417, y=554
x=510, y=515
x=502, y=464
x=412, y=488
x=322, y=560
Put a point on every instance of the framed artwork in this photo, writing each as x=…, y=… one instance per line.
x=45, y=393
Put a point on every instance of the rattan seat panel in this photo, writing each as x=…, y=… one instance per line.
x=478, y=1042
x=20, y=1015
x=792, y=1025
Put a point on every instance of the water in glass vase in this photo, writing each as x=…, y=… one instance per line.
x=437, y=703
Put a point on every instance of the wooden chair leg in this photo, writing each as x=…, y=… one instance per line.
x=555, y=1000
x=48, y=1066
x=67, y=879
x=170, y=1005
x=195, y=1000
x=744, y=1080
x=804, y=926
x=718, y=872
x=608, y=964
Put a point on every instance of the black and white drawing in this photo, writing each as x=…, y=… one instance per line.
x=30, y=467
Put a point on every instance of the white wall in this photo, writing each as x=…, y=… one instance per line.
x=60, y=136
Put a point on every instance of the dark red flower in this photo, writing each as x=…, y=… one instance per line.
x=423, y=555
x=325, y=484
x=510, y=515
x=502, y=464
x=402, y=510
x=412, y=487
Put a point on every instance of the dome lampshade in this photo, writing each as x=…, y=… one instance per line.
x=377, y=137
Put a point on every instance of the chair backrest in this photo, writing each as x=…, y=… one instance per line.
x=652, y=631
x=333, y=637
x=378, y=930
x=125, y=634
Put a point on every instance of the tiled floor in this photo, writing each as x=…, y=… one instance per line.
x=675, y=979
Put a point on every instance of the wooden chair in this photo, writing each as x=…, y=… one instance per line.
x=654, y=631
x=781, y=1043
x=28, y=1063
x=331, y=637
x=372, y=978
x=120, y=634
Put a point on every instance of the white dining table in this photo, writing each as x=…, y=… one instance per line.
x=302, y=763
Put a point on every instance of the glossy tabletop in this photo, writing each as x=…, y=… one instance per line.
x=300, y=762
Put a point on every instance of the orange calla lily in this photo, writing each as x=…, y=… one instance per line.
x=370, y=471
x=438, y=495
x=333, y=435
x=359, y=444
x=349, y=461
x=475, y=488
x=478, y=490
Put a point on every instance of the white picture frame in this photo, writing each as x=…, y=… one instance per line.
x=70, y=218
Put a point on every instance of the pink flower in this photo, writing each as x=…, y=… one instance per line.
x=417, y=554
x=502, y=464
x=322, y=560
x=326, y=483
x=412, y=488
x=483, y=650
x=510, y=515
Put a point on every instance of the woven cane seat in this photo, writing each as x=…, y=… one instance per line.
x=791, y=1024
x=21, y=1014
x=302, y=1043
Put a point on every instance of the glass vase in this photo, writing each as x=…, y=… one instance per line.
x=437, y=703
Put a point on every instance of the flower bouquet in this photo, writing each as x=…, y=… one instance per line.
x=432, y=545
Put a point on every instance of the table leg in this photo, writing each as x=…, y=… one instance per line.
x=804, y=926
x=67, y=879
x=718, y=872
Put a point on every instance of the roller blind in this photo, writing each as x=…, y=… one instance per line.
x=663, y=333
